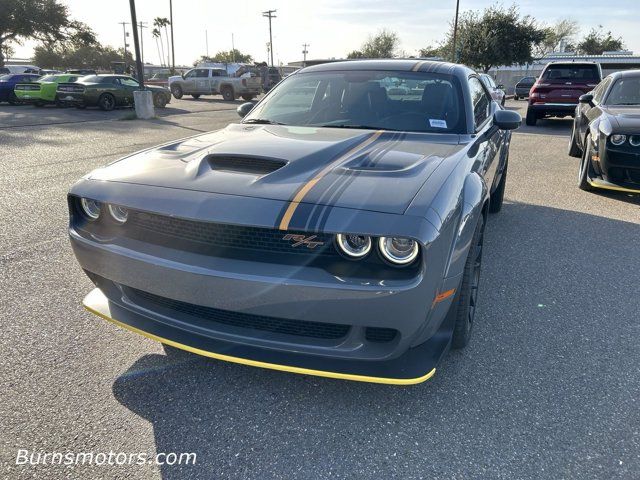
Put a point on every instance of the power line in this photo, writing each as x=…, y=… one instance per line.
x=270, y=14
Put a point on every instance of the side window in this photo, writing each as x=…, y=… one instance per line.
x=480, y=100
x=190, y=74
x=202, y=73
x=598, y=92
x=129, y=82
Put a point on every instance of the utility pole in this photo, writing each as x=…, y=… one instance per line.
x=206, y=39
x=455, y=33
x=233, y=49
x=124, y=36
x=173, y=52
x=270, y=14
x=142, y=25
x=136, y=44
x=304, y=52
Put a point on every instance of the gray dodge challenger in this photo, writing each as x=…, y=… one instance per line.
x=336, y=231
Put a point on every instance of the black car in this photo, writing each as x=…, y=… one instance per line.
x=81, y=71
x=523, y=87
x=606, y=134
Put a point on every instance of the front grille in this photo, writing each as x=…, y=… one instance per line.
x=380, y=335
x=626, y=175
x=250, y=165
x=206, y=237
x=329, y=331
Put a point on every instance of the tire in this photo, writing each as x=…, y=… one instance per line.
x=159, y=101
x=195, y=95
x=177, y=92
x=503, y=100
x=13, y=100
x=248, y=98
x=227, y=94
x=39, y=104
x=516, y=97
x=532, y=118
x=574, y=150
x=585, y=169
x=497, y=197
x=468, y=294
x=107, y=102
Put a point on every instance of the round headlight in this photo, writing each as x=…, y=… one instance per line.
x=400, y=251
x=634, y=140
x=354, y=246
x=618, y=139
x=91, y=208
x=119, y=214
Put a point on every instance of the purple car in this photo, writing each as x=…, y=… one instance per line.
x=8, y=82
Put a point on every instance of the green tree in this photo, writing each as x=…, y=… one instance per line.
x=431, y=51
x=597, y=42
x=92, y=56
x=162, y=23
x=384, y=44
x=564, y=30
x=496, y=36
x=44, y=20
x=227, y=56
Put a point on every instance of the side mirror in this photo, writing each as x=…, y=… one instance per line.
x=586, y=98
x=501, y=86
x=244, y=109
x=507, y=119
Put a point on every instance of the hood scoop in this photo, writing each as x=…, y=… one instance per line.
x=244, y=164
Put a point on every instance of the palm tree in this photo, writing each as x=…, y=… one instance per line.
x=158, y=35
x=162, y=22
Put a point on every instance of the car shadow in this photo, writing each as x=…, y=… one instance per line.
x=558, y=305
x=548, y=126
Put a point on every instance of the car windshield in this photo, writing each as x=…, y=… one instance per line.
x=48, y=78
x=577, y=73
x=5, y=78
x=387, y=100
x=626, y=91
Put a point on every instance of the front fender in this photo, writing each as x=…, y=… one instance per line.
x=475, y=194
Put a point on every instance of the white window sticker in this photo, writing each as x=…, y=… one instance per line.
x=437, y=123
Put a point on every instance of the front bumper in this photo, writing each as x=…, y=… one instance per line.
x=619, y=167
x=415, y=366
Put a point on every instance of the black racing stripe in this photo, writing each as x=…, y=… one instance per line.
x=322, y=202
x=353, y=175
x=326, y=199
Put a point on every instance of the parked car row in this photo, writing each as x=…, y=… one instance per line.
x=70, y=89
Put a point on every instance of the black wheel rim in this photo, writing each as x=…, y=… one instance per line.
x=108, y=103
x=475, y=278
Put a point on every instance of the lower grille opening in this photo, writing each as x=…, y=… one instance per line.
x=380, y=335
x=330, y=331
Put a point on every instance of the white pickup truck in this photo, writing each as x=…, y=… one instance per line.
x=214, y=81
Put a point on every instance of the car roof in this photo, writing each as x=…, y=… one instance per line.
x=402, y=65
x=626, y=73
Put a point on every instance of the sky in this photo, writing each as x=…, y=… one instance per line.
x=332, y=28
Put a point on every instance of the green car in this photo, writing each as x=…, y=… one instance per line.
x=43, y=91
x=107, y=92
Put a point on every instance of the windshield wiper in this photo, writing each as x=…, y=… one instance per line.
x=360, y=127
x=263, y=121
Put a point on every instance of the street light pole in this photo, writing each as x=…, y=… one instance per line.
x=136, y=44
x=142, y=25
x=173, y=52
x=270, y=14
x=455, y=32
x=124, y=36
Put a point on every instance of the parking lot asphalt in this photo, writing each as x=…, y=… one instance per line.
x=547, y=389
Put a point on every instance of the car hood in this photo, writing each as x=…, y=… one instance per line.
x=626, y=117
x=362, y=169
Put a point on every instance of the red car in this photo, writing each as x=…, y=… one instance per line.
x=560, y=85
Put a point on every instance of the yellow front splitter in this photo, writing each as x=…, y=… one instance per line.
x=598, y=183
x=98, y=304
